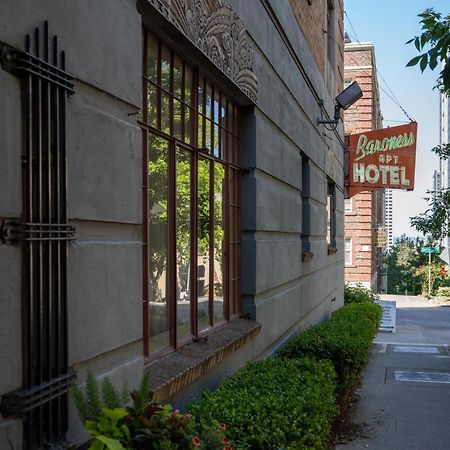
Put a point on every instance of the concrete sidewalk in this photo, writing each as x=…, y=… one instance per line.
x=404, y=400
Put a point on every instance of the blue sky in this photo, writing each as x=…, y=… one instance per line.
x=388, y=25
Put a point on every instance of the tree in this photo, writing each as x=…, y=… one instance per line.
x=402, y=263
x=434, y=47
x=435, y=36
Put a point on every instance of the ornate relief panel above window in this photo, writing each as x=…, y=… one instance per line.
x=218, y=32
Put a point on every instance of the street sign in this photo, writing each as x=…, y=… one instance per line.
x=430, y=250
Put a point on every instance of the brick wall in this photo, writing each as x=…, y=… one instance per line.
x=312, y=21
x=366, y=215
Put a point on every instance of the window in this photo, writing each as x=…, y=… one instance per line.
x=331, y=216
x=191, y=202
x=348, y=204
x=348, y=251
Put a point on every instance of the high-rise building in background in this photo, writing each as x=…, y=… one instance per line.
x=442, y=181
x=364, y=212
x=388, y=220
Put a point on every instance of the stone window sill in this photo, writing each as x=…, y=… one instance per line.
x=332, y=250
x=307, y=256
x=174, y=371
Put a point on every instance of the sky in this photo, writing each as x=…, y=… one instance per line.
x=388, y=25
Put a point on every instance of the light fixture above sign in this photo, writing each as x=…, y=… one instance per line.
x=344, y=100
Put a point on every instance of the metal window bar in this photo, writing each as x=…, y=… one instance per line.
x=43, y=233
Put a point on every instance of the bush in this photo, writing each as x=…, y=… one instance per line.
x=358, y=294
x=444, y=292
x=274, y=404
x=344, y=340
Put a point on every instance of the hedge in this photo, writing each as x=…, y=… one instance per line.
x=274, y=404
x=344, y=340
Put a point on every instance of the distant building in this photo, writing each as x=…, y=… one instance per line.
x=388, y=216
x=444, y=165
x=364, y=212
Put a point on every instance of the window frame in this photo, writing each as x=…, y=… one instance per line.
x=223, y=120
x=331, y=216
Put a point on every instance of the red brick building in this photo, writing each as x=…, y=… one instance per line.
x=363, y=211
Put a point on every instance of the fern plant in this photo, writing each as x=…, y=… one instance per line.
x=91, y=404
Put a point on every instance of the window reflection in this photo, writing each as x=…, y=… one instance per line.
x=203, y=243
x=183, y=240
x=219, y=240
x=158, y=177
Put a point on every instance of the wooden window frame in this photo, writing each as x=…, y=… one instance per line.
x=227, y=154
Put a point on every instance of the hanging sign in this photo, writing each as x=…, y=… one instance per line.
x=383, y=158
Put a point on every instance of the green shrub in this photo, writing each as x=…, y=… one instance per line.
x=274, y=404
x=444, y=292
x=344, y=340
x=358, y=294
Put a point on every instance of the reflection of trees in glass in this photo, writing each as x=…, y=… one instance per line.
x=158, y=207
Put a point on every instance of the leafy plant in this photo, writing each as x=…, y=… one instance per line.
x=273, y=404
x=142, y=425
x=344, y=340
x=444, y=292
x=435, y=36
x=90, y=405
x=358, y=294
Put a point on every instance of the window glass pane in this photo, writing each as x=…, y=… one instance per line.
x=329, y=219
x=223, y=144
x=177, y=119
x=188, y=125
x=152, y=58
x=348, y=204
x=216, y=141
x=348, y=251
x=216, y=106
x=219, y=240
x=165, y=113
x=183, y=236
x=208, y=135
x=165, y=68
x=200, y=96
x=209, y=104
x=188, y=85
x=152, y=105
x=177, y=76
x=203, y=236
x=158, y=180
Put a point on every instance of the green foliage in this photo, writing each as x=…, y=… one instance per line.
x=435, y=221
x=108, y=432
x=401, y=264
x=344, y=340
x=433, y=44
x=274, y=404
x=439, y=277
x=90, y=405
x=358, y=294
x=144, y=424
x=444, y=292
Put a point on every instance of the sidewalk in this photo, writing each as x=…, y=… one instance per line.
x=404, y=400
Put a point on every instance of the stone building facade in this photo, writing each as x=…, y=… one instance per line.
x=364, y=212
x=168, y=202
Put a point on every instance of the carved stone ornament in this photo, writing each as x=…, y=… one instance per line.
x=213, y=27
